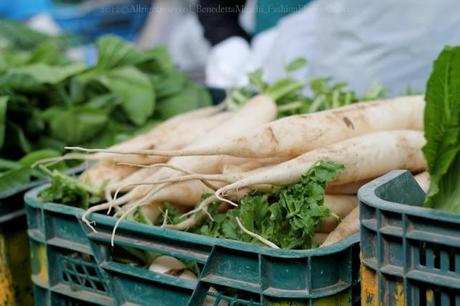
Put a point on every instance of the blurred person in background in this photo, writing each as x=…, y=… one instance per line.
x=229, y=27
x=192, y=29
x=390, y=42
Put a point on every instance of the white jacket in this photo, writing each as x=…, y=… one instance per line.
x=392, y=42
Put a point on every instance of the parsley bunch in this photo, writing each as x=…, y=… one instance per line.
x=287, y=216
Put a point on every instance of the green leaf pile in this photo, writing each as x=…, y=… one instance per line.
x=287, y=216
x=442, y=131
x=48, y=101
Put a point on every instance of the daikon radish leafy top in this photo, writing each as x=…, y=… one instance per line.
x=288, y=92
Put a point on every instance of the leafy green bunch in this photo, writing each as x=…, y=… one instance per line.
x=287, y=216
x=48, y=101
x=68, y=190
x=290, y=93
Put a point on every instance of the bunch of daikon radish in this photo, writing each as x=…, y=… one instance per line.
x=228, y=154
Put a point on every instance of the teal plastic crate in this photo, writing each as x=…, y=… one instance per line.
x=72, y=265
x=410, y=254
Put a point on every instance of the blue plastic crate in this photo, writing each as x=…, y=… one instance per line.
x=96, y=18
x=86, y=19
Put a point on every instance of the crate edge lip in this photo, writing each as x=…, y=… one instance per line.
x=31, y=196
x=367, y=196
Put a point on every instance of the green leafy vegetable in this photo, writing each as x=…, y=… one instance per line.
x=14, y=175
x=191, y=96
x=169, y=84
x=114, y=53
x=49, y=101
x=442, y=131
x=135, y=90
x=286, y=216
x=67, y=190
x=296, y=64
x=8, y=164
x=290, y=94
x=32, y=158
x=75, y=125
x=14, y=178
x=47, y=74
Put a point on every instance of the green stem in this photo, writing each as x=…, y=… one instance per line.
x=335, y=99
x=288, y=89
x=293, y=214
x=316, y=104
x=78, y=183
x=290, y=106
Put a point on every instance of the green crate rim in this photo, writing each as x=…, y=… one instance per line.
x=368, y=195
x=31, y=199
x=404, y=266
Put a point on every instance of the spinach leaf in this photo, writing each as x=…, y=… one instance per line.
x=114, y=52
x=442, y=131
x=31, y=158
x=191, y=97
x=170, y=84
x=135, y=90
x=158, y=62
x=47, y=74
x=107, y=102
x=48, y=101
x=14, y=178
x=75, y=125
x=47, y=52
x=6, y=164
x=20, y=173
x=114, y=132
x=18, y=137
